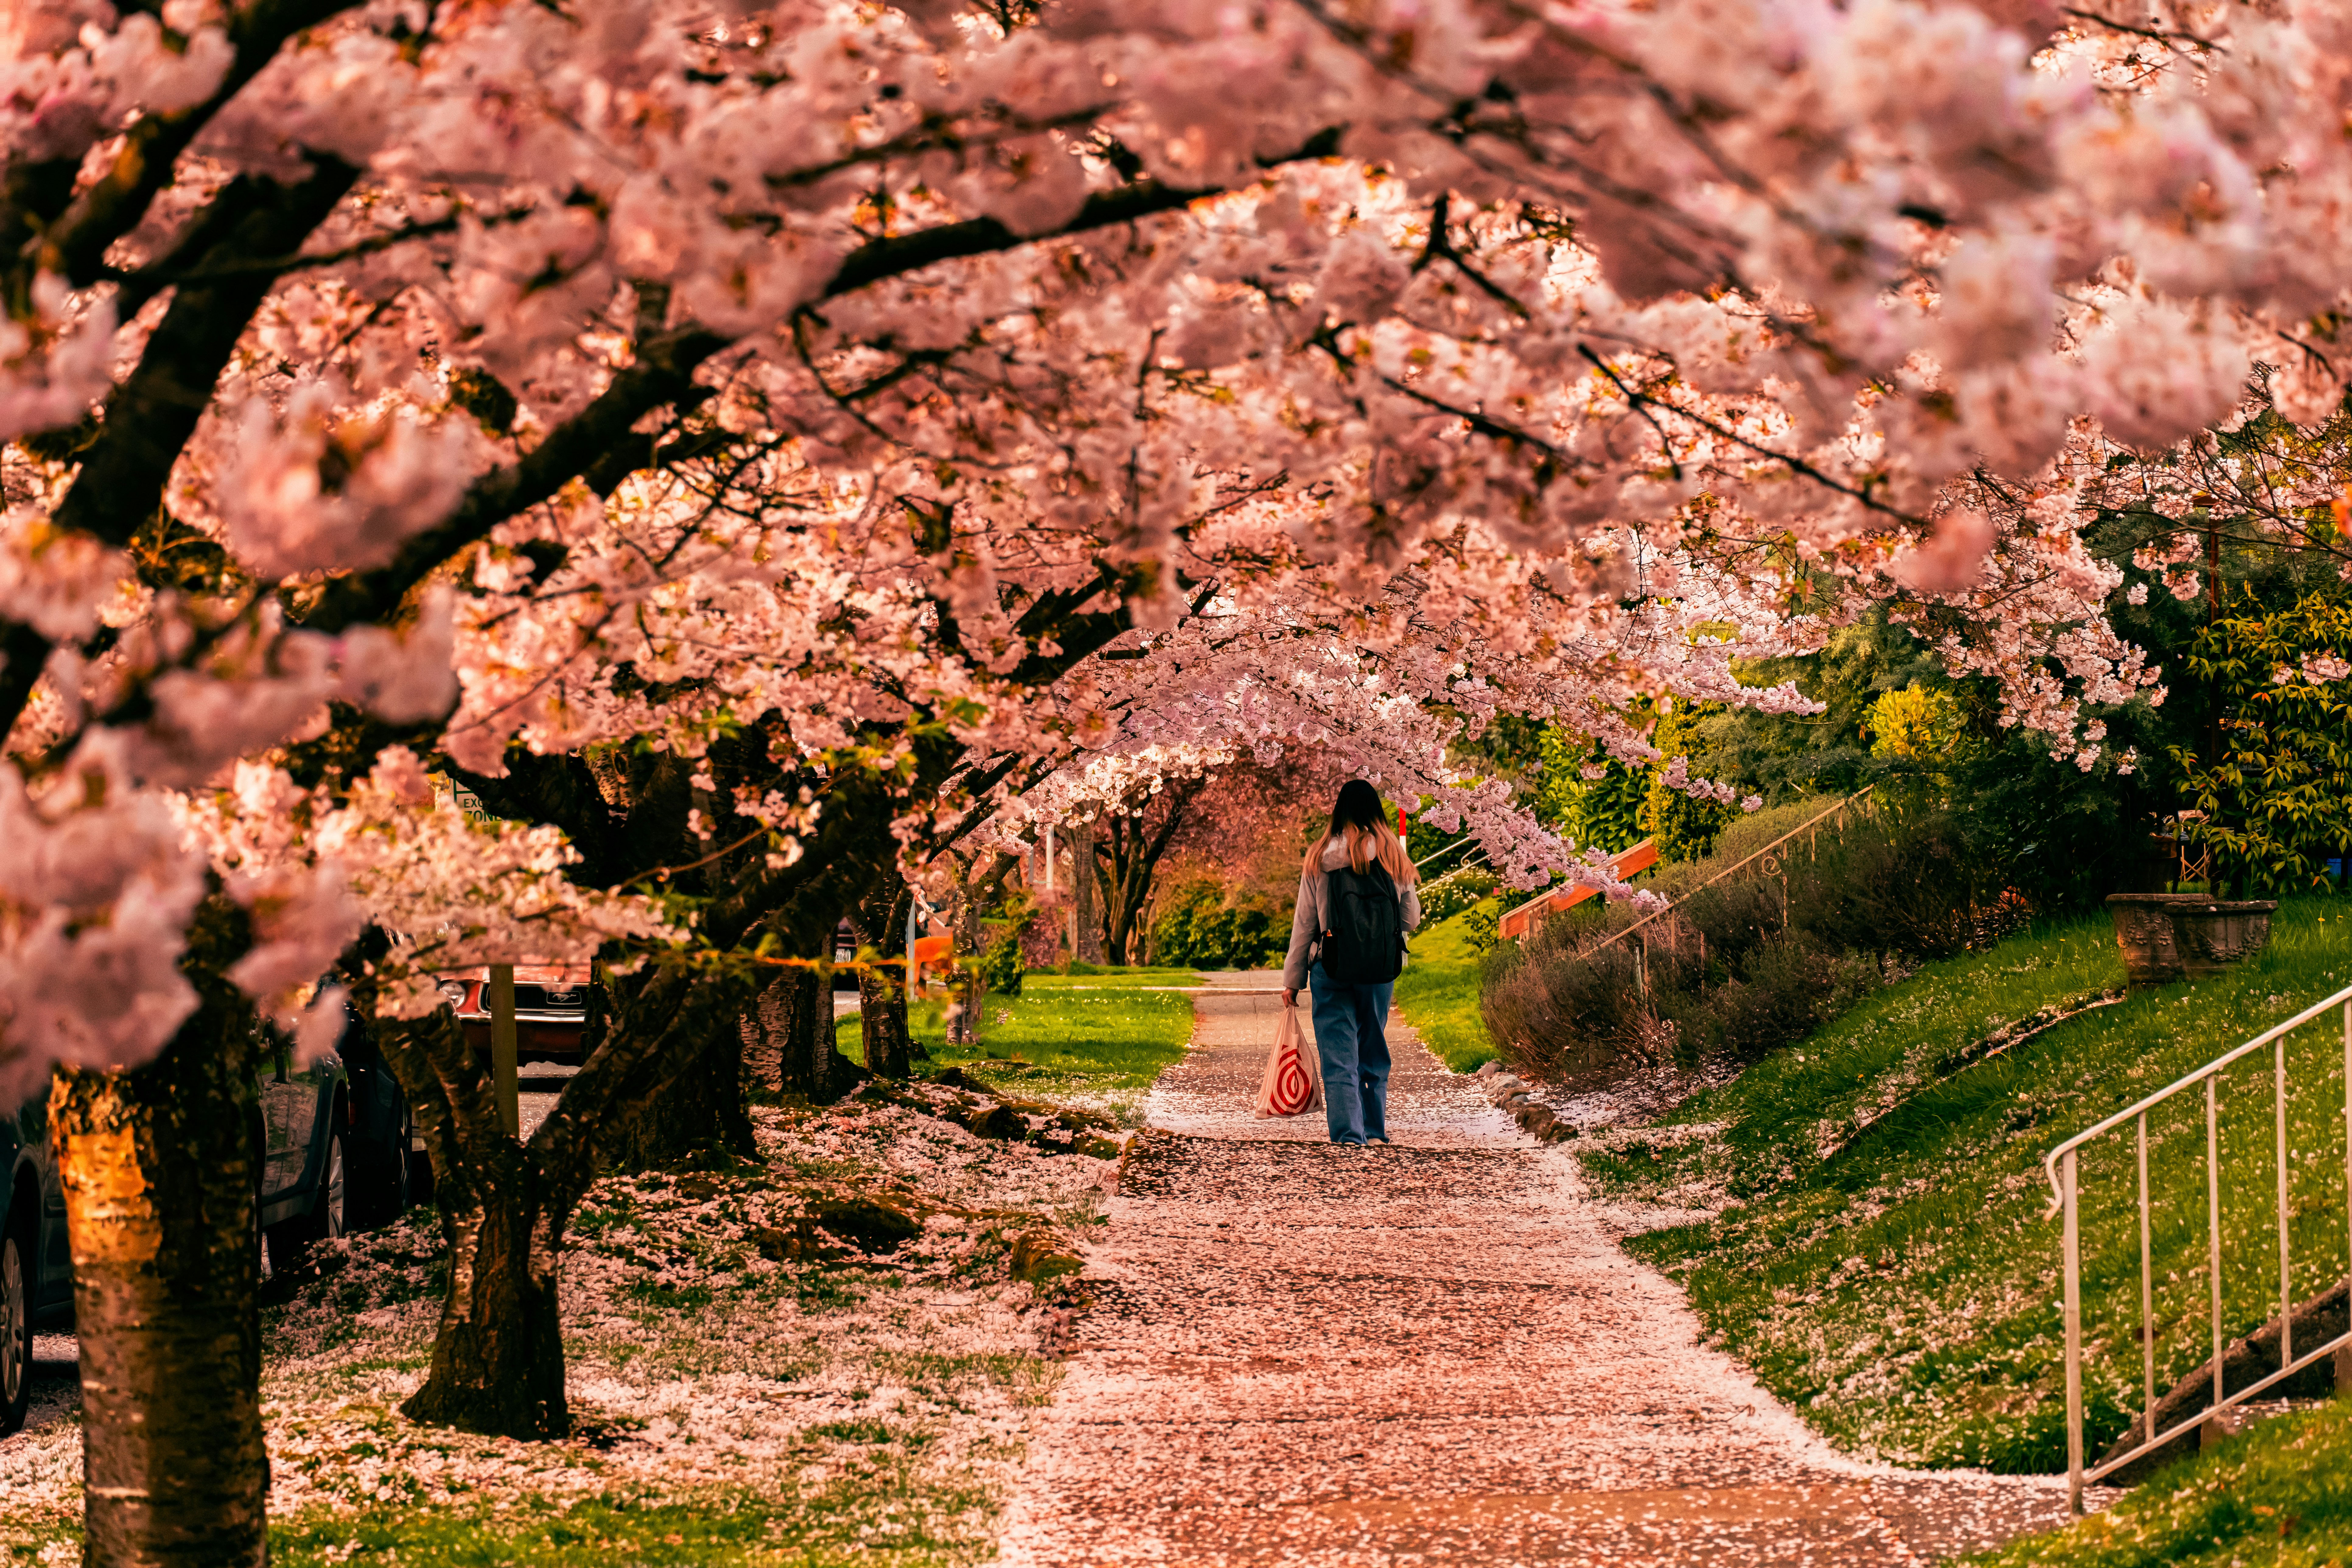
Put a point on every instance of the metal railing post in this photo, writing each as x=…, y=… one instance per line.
x=2213, y=1221
x=2073, y=1259
x=2147, y=1295
x=2286, y=1280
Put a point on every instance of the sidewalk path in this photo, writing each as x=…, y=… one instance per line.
x=1432, y=1353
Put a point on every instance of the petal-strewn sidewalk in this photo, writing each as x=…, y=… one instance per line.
x=1432, y=1353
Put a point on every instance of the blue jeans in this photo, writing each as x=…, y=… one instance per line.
x=1352, y=1043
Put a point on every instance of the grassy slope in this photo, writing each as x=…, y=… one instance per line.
x=1887, y=1266
x=2278, y=1497
x=1438, y=994
x=1100, y=1037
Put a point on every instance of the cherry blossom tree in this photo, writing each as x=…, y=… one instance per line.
x=858, y=415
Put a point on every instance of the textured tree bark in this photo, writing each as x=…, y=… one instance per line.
x=881, y=923
x=882, y=1021
x=1086, y=938
x=793, y=1021
x=765, y=1030
x=498, y=1360
x=161, y=1167
x=700, y=1115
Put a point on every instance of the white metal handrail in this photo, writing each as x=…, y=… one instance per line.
x=2061, y=1165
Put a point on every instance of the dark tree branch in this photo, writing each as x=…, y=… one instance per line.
x=74, y=245
x=149, y=417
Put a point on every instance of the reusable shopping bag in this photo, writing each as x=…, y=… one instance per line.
x=1292, y=1083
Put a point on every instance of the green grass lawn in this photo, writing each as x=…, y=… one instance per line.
x=870, y=1513
x=1882, y=1255
x=2279, y=1496
x=1438, y=994
x=1100, y=1036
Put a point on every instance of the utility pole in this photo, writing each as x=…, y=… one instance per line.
x=504, y=1070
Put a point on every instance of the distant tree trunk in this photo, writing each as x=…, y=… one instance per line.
x=1129, y=852
x=1086, y=936
x=792, y=1023
x=882, y=1021
x=766, y=1031
x=881, y=924
x=161, y=1166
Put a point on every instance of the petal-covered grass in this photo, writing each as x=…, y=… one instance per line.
x=2279, y=1495
x=758, y=1371
x=1878, y=1242
x=1438, y=992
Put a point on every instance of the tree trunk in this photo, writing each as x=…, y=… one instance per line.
x=498, y=1361
x=498, y=1358
x=161, y=1167
x=699, y=1117
x=793, y=1022
x=1086, y=938
x=1131, y=850
x=882, y=1020
x=881, y=924
x=766, y=1030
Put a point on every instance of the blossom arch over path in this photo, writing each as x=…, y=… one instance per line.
x=865, y=410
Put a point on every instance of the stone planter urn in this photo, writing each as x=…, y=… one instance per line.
x=2173, y=936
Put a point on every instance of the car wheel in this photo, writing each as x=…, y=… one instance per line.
x=296, y=1242
x=16, y=1330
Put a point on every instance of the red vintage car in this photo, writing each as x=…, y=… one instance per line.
x=550, y=1009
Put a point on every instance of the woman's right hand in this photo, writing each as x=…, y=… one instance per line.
x=1290, y=998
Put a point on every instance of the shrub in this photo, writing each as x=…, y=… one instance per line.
x=1200, y=926
x=1442, y=898
x=1003, y=966
x=1751, y=962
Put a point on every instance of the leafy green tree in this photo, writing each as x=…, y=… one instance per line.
x=1684, y=825
x=1604, y=812
x=2275, y=785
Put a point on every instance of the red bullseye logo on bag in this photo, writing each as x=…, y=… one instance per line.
x=1291, y=1084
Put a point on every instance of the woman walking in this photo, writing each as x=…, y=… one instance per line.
x=1356, y=901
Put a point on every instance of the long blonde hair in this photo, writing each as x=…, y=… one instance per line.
x=1361, y=823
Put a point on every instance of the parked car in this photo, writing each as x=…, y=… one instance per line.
x=550, y=1009
x=845, y=949
x=336, y=1137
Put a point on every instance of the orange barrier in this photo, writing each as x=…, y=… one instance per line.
x=1518, y=922
x=930, y=950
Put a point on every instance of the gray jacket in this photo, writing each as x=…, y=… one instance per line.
x=1306, y=919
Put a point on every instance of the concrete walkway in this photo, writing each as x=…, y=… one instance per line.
x=1434, y=1353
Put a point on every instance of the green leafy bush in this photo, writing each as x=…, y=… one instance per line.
x=1002, y=966
x=1200, y=928
x=2277, y=795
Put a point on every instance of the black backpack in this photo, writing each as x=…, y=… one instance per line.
x=1363, y=931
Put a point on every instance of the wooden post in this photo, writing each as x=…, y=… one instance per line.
x=503, y=1066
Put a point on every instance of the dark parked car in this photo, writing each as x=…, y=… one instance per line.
x=335, y=1139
